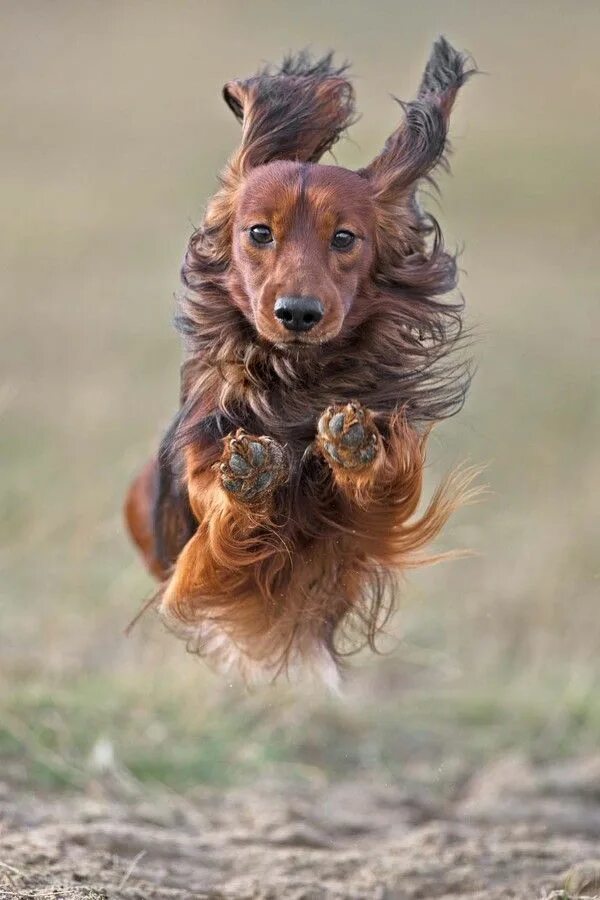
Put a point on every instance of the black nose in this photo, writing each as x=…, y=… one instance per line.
x=298, y=313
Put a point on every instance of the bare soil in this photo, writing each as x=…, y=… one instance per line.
x=509, y=831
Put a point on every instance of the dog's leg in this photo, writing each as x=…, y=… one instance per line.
x=215, y=587
x=139, y=519
x=350, y=442
x=382, y=481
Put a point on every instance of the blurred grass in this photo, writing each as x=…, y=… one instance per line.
x=60, y=736
x=114, y=132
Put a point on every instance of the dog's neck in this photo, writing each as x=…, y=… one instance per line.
x=282, y=391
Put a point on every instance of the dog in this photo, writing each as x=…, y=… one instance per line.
x=282, y=504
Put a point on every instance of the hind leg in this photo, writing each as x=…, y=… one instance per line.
x=138, y=510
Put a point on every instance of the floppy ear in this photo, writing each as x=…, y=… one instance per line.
x=418, y=145
x=296, y=112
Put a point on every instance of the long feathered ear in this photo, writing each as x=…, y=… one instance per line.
x=419, y=143
x=295, y=112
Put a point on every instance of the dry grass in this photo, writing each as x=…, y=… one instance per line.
x=113, y=133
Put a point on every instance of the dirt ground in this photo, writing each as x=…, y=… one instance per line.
x=510, y=831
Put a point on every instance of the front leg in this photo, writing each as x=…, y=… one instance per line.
x=216, y=574
x=383, y=484
x=350, y=442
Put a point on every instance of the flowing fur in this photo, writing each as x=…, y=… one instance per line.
x=294, y=580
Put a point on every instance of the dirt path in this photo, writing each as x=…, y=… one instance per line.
x=511, y=831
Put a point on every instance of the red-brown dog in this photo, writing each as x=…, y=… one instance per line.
x=317, y=351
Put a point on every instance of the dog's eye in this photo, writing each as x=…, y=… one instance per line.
x=261, y=234
x=343, y=240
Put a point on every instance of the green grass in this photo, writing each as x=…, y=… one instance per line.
x=53, y=736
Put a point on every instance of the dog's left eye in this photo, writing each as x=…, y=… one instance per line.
x=261, y=234
x=343, y=240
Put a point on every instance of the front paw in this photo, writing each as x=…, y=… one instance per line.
x=252, y=467
x=348, y=437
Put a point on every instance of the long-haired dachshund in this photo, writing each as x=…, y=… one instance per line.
x=318, y=352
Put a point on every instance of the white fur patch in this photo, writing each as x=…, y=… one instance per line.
x=306, y=660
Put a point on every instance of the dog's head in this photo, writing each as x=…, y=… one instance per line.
x=302, y=247
x=309, y=251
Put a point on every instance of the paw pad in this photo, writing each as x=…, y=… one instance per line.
x=348, y=436
x=251, y=466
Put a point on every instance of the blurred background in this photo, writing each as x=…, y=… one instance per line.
x=114, y=132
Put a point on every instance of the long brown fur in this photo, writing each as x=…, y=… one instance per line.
x=288, y=563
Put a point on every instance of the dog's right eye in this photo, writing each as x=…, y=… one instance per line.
x=261, y=234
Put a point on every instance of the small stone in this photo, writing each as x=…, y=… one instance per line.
x=583, y=879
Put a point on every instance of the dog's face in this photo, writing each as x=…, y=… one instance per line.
x=302, y=248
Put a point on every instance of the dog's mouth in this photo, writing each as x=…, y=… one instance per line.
x=302, y=345
x=314, y=339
